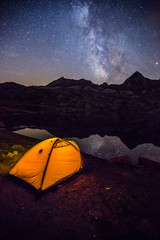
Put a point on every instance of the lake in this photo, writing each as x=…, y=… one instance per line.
x=105, y=147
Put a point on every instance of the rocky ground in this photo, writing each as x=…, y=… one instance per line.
x=108, y=201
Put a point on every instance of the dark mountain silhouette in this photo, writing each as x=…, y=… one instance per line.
x=64, y=82
x=137, y=82
x=68, y=107
x=11, y=87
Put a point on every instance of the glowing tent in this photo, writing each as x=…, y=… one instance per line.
x=48, y=163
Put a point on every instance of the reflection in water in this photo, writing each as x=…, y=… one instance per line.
x=105, y=147
x=108, y=147
x=34, y=133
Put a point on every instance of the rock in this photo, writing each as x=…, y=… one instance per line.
x=127, y=93
x=104, y=85
x=149, y=161
x=124, y=160
x=109, y=91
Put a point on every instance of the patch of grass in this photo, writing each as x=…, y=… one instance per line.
x=9, y=156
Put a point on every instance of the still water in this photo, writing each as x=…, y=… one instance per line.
x=105, y=147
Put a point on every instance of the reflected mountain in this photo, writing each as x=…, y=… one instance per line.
x=106, y=147
x=34, y=133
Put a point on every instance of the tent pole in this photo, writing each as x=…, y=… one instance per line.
x=49, y=155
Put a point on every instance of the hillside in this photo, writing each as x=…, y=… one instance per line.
x=80, y=108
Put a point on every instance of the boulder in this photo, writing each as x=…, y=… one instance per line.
x=109, y=91
x=149, y=161
x=122, y=159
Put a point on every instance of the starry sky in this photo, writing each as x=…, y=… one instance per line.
x=99, y=40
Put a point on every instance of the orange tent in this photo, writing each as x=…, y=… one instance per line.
x=48, y=163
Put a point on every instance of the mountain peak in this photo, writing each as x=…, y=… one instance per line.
x=64, y=82
x=135, y=78
x=137, y=83
x=136, y=75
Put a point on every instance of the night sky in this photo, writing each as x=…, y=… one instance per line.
x=106, y=40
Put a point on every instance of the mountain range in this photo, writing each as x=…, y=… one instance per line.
x=68, y=107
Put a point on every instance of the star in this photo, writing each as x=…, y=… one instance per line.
x=103, y=41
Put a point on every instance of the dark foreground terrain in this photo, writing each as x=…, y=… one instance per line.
x=108, y=201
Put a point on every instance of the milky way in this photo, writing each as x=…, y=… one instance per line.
x=101, y=41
